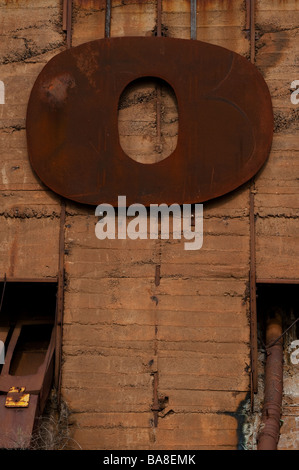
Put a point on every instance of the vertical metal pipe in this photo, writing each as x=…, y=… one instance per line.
x=64, y=15
x=270, y=430
x=59, y=303
x=193, y=20
x=67, y=11
x=250, y=23
x=159, y=148
x=69, y=23
x=3, y=292
x=252, y=31
x=155, y=406
x=247, y=24
x=159, y=18
x=253, y=309
x=67, y=26
x=108, y=19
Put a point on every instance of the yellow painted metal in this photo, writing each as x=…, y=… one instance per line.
x=16, y=398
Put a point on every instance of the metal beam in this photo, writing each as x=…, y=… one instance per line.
x=193, y=19
x=108, y=19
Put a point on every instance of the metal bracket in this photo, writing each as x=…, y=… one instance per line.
x=16, y=398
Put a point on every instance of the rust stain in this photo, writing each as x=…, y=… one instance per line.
x=55, y=91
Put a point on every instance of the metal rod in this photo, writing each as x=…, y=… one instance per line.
x=108, y=19
x=250, y=21
x=269, y=434
x=59, y=303
x=253, y=310
x=3, y=292
x=247, y=25
x=67, y=13
x=28, y=279
x=193, y=20
x=159, y=18
x=155, y=406
x=69, y=23
x=64, y=15
x=159, y=147
x=276, y=281
x=252, y=31
x=158, y=123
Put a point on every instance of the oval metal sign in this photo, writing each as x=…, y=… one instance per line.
x=225, y=115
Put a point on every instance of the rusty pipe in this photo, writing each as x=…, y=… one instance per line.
x=193, y=20
x=108, y=19
x=252, y=31
x=270, y=428
x=159, y=146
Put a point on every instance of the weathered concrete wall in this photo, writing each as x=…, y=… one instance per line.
x=30, y=35
x=121, y=331
x=276, y=200
x=191, y=330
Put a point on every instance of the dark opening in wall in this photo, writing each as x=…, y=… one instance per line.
x=27, y=329
x=23, y=302
x=31, y=349
x=282, y=297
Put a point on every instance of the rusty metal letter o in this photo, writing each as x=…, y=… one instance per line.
x=225, y=112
